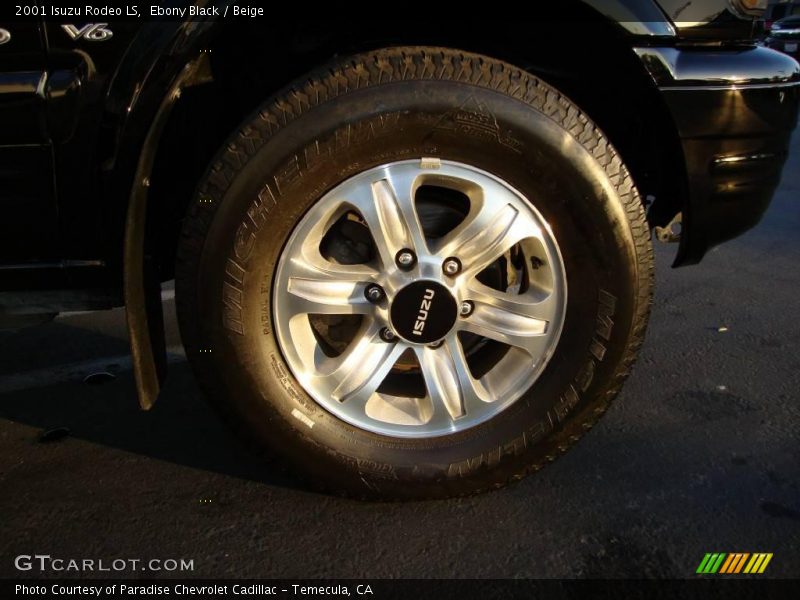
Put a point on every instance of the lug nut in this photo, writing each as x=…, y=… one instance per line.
x=374, y=293
x=387, y=335
x=451, y=266
x=406, y=259
x=466, y=308
x=436, y=344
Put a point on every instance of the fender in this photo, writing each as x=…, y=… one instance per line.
x=635, y=16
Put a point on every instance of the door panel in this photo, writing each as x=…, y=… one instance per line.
x=83, y=122
x=28, y=211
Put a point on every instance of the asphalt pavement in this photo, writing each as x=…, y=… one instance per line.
x=700, y=453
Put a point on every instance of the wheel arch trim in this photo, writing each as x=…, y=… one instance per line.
x=145, y=326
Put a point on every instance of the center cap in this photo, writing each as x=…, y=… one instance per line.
x=423, y=312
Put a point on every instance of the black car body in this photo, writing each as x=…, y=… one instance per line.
x=105, y=126
x=785, y=36
x=780, y=9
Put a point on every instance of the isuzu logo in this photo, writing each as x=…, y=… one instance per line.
x=423, y=312
x=5, y=36
x=424, y=307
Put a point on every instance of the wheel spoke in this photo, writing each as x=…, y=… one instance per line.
x=452, y=389
x=488, y=231
x=388, y=209
x=319, y=286
x=520, y=320
x=359, y=371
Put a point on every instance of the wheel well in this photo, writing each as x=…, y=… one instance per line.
x=592, y=63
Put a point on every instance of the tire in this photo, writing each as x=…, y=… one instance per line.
x=405, y=106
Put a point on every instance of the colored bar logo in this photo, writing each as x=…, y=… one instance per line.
x=734, y=563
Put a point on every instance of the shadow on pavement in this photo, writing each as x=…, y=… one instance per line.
x=181, y=428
